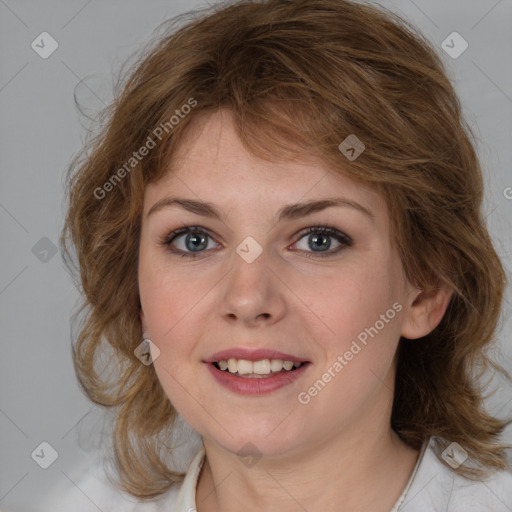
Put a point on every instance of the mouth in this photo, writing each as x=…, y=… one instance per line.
x=244, y=379
x=255, y=372
x=261, y=369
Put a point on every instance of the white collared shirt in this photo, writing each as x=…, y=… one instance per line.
x=432, y=487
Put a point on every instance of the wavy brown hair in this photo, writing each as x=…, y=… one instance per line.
x=299, y=76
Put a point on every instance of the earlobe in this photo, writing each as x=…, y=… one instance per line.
x=426, y=312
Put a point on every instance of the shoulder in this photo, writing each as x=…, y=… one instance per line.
x=492, y=495
x=437, y=488
x=87, y=489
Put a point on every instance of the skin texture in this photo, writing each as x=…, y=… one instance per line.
x=337, y=452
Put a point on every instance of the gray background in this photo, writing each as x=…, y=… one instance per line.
x=41, y=130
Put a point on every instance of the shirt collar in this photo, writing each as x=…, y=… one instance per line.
x=186, y=501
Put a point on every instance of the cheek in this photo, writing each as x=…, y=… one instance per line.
x=176, y=307
x=167, y=296
x=368, y=350
x=171, y=310
x=362, y=312
x=351, y=301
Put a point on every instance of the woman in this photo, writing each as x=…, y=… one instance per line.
x=279, y=238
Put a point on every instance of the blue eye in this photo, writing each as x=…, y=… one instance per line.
x=319, y=236
x=196, y=240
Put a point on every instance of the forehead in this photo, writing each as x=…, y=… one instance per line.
x=212, y=164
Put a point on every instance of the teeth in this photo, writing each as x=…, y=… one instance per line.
x=288, y=365
x=276, y=365
x=245, y=367
x=263, y=367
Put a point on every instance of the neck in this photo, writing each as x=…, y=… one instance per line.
x=362, y=471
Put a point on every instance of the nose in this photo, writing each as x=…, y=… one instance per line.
x=252, y=294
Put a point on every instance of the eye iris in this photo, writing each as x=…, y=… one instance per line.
x=198, y=241
x=326, y=240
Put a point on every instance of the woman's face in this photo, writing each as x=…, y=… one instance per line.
x=335, y=301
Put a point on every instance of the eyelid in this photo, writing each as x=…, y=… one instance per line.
x=326, y=229
x=342, y=238
x=330, y=231
x=169, y=237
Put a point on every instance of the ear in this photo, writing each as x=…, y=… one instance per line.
x=425, y=311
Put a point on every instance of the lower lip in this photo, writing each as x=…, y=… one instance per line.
x=256, y=386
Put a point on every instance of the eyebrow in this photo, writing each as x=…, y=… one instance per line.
x=288, y=212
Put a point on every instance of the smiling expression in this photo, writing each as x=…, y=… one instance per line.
x=325, y=271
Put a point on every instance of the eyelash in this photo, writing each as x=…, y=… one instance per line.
x=341, y=237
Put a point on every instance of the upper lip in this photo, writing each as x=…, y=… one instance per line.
x=253, y=355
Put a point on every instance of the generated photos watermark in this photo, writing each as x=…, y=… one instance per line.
x=304, y=397
x=144, y=150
